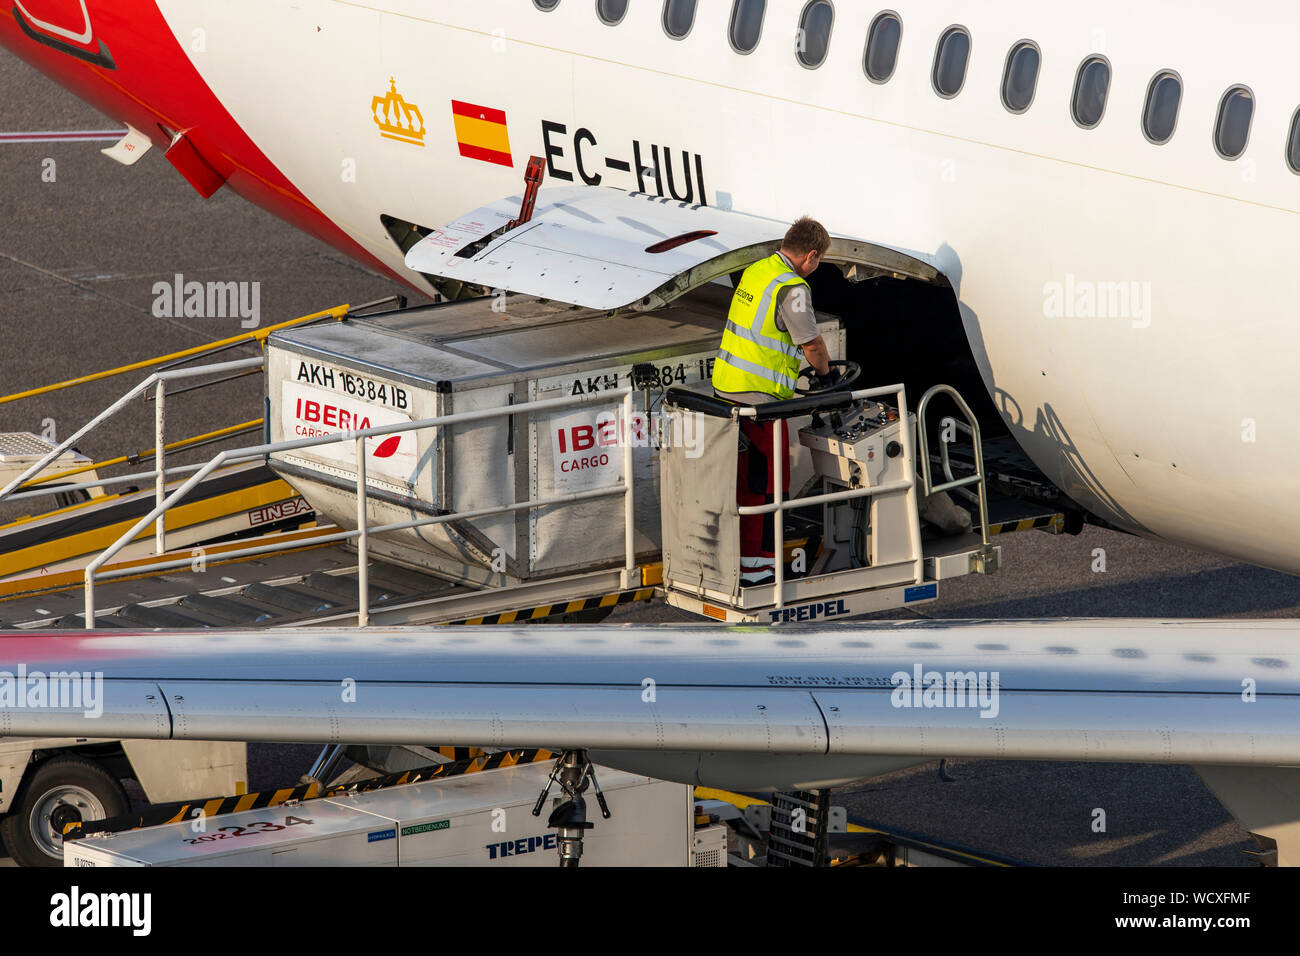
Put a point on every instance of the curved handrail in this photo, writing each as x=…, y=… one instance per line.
x=923, y=440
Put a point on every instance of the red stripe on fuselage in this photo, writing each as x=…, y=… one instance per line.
x=155, y=84
x=460, y=108
x=487, y=155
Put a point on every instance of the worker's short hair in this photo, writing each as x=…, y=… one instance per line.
x=806, y=235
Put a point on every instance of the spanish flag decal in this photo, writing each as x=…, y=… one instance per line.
x=481, y=133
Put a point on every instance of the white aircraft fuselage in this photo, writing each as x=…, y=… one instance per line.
x=1128, y=304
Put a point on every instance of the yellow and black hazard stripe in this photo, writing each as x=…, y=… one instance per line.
x=1055, y=523
x=178, y=812
x=564, y=607
x=458, y=753
x=481, y=761
x=465, y=760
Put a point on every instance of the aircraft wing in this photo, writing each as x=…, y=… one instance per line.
x=1197, y=692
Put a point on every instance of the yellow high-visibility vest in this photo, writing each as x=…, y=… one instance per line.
x=756, y=355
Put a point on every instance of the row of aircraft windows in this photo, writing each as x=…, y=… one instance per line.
x=951, y=57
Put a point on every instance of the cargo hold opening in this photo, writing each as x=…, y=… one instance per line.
x=901, y=328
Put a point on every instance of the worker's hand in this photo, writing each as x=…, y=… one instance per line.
x=825, y=383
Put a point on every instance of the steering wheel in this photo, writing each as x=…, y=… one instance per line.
x=850, y=373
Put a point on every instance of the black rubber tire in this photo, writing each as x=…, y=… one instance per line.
x=53, y=773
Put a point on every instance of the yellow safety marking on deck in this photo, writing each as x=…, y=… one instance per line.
x=181, y=516
x=245, y=802
x=212, y=807
x=76, y=506
x=574, y=606
x=140, y=456
x=508, y=617
x=609, y=600
x=738, y=800
x=543, y=611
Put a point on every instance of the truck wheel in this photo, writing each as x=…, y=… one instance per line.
x=62, y=790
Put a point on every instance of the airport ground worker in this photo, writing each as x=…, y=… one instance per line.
x=771, y=318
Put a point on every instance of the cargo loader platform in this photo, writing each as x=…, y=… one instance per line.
x=524, y=455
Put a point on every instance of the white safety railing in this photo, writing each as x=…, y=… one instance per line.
x=158, y=381
x=364, y=530
x=972, y=427
x=780, y=504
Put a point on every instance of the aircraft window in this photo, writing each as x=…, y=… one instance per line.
x=1293, y=144
x=1020, y=78
x=679, y=16
x=1160, y=115
x=950, y=59
x=1090, y=90
x=882, y=47
x=547, y=5
x=1232, y=130
x=814, y=38
x=746, y=24
x=611, y=11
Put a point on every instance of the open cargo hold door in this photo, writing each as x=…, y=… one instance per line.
x=606, y=249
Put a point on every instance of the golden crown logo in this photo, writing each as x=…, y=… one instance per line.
x=396, y=118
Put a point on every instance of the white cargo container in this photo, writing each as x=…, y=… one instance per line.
x=315, y=833
x=470, y=356
x=480, y=819
x=486, y=819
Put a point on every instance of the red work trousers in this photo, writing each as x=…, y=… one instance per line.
x=754, y=487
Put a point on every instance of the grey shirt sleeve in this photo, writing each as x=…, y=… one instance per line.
x=794, y=314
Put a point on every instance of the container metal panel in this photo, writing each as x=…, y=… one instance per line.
x=485, y=353
x=480, y=819
x=314, y=833
x=485, y=819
